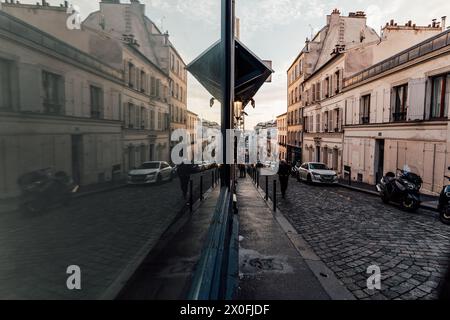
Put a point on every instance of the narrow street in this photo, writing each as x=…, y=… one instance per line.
x=101, y=233
x=351, y=231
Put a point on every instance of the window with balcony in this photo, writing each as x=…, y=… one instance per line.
x=440, y=92
x=143, y=81
x=96, y=102
x=5, y=84
x=365, y=109
x=130, y=115
x=53, y=89
x=400, y=99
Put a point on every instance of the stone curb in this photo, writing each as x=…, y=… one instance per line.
x=328, y=280
x=374, y=193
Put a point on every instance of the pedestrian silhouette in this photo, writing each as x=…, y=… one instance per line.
x=284, y=170
x=184, y=173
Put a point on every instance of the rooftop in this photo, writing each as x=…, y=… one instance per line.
x=426, y=47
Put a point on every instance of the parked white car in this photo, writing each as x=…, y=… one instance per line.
x=316, y=172
x=151, y=172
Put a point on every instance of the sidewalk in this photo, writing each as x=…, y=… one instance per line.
x=428, y=202
x=12, y=204
x=167, y=273
x=275, y=262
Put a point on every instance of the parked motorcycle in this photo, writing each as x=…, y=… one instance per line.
x=402, y=188
x=42, y=189
x=444, y=203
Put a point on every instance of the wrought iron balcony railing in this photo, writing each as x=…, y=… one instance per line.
x=432, y=44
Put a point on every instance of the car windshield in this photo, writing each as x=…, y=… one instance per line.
x=318, y=166
x=150, y=165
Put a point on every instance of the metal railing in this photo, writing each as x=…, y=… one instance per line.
x=434, y=43
x=216, y=275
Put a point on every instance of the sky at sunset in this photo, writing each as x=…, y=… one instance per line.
x=273, y=29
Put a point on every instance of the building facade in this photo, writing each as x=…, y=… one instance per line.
x=59, y=108
x=344, y=47
x=397, y=115
x=103, y=101
x=282, y=135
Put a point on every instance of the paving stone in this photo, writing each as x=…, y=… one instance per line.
x=362, y=231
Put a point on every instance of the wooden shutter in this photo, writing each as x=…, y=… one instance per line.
x=126, y=113
x=126, y=72
x=416, y=99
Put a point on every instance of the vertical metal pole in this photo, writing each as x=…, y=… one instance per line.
x=227, y=46
x=212, y=179
x=349, y=176
x=267, y=188
x=274, y=197
x=257, y=178
x=191, y=195
x=201, y=187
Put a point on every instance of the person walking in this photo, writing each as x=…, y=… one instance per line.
x=184, y=173
x=284, y=170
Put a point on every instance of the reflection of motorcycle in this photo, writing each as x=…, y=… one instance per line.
x=42, y=189
x=402, y=188
x=444, y=203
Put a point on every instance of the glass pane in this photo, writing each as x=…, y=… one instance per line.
x=437, y=97
x=93, y=195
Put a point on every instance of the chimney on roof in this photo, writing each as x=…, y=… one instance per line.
x=443, y=23
x=434, y=23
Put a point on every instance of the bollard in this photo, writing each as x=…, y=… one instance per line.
x=191, y=195
x=212, y=179
x=201, y=187
x=267, y=188
x=274, y=197
x=257, y=179
x=350, y=177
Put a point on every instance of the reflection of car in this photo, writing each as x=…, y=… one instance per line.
x=314, y=172
x=151, y=172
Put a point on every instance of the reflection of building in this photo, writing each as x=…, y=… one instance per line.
x=59, y=107
x=92, y=102
x=282, y=135
x=192, y=122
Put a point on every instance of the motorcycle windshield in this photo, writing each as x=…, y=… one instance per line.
x=412, y=173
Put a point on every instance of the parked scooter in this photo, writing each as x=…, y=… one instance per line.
x=402, y=188
x=42, y=189
x=444, y=203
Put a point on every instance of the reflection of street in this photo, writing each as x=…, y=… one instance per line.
x=350, y=231
x=100, y=233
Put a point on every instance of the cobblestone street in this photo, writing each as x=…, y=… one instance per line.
x=351, y=231
x=101, y=233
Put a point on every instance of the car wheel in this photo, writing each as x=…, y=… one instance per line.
x=159, y=179
x=444, y=215
x=309, y=179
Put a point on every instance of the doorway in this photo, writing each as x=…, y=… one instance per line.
x=379, y=160
x=76, y=157
x=317, y=153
